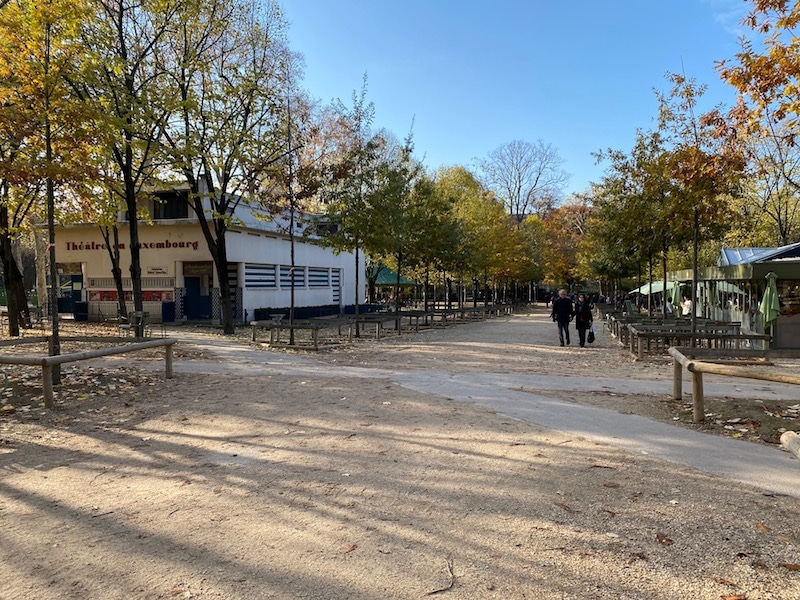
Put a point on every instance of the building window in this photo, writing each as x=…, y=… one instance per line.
x=298, y=275
x=170, y=205
x=318, y=277
x=259, y=276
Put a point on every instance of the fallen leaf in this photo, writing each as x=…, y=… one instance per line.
x=663, y=538
x=791, y=566
x=350, y=548
x=636, y=556
x=761, y=528
x=735, y=597
x=567, y=508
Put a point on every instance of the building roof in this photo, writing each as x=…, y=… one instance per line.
x=746, y=256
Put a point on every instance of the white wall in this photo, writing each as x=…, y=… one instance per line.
x=265, y=249
x=167, y=246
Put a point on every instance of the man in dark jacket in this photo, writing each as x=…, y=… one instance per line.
x=562, y=314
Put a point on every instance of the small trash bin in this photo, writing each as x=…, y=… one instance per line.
x=65, y=305
x=167, y=312
x=81, y=311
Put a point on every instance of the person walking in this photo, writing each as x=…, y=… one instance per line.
x=561, y=314
x=686, y=307
x=583, y=318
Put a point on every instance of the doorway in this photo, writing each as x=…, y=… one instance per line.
x=197, y=301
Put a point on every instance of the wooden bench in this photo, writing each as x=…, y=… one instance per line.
x=414, y=317
x=377, y=319
x=48, y=362
x=619, y=325
x=441, y=316
x=647, y=338
x=277, y=326
x=480, y=312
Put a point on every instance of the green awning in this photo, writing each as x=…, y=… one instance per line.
x=388, y=277
x=658, y=286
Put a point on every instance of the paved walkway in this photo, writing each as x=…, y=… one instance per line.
x=765, y=467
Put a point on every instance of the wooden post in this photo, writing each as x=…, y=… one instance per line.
x=677, y=380
x=168, y=361
x=47, y=386
x=698, y=412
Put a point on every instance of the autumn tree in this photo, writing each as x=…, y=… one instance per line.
x=560, y=255
x=17, y=125
x=765, y=73
x=770, y=199
x=638, y=210
x=49, y=142
x=705, y=164
x=456, y=244
x=131, y=87
x=396, y=206
x=98, y=201
x=228, y=61
x=497, y=236
x=527, y=176
x=352, y=178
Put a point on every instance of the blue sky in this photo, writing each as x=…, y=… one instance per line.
x=473, y=75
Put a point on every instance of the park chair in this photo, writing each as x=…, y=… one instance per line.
x=134, y=322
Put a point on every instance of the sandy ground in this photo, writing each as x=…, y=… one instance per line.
x=276, y=486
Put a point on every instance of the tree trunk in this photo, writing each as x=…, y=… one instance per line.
x=111, y=238
x=136, y=262
x=397, y=302
x=650, y=278
x=55, y=340
x=40, y=240
x=221, y=263
x=372, y=292
x=16, y=300
x=225, y=296
x=425, y=298
x=664, y=278
x=693, y=292
x=131, y=205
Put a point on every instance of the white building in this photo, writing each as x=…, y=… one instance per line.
x=179, y=280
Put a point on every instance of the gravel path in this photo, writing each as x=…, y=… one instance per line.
x=458, y=463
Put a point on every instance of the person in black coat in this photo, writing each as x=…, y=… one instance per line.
x=562, y=314
x=583, y=317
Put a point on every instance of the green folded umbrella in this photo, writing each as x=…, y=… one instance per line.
x=770, y=307
x=676, y=293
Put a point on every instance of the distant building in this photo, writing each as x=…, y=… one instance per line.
x=179, y=280
x=732, y=290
